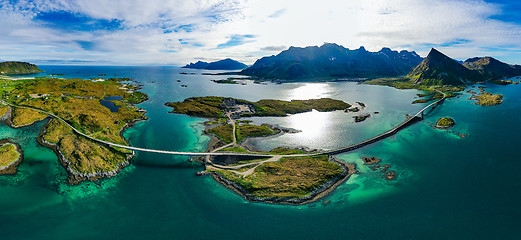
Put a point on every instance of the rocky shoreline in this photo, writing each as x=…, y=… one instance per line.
x=76, y=177
x=348, y=169
x=12, y=167
x=8, y=119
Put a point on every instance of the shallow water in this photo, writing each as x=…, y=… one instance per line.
x=447, y=187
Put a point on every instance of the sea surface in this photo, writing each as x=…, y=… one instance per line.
x=448, y=187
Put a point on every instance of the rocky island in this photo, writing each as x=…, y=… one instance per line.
x=10, y=156
x=79, y=103
x=444, y=123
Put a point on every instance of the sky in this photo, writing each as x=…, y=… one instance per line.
x=176, y=32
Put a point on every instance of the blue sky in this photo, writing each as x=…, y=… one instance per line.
x=175, y=32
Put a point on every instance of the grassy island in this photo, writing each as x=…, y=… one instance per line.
x=292, y=177
x=212, y=107
x=10, y=157
x=488, y=99
x=445, y=122
x=275, y=176
x=78, y=102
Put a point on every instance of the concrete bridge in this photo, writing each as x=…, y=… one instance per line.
x=409, y=121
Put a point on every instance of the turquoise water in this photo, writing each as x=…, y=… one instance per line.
x=447, y=187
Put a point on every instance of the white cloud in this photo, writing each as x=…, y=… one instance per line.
x=151, y=29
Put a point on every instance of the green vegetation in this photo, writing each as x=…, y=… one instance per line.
x=225, y=81
x=430, y=91
x=78, y=102
x=234, y=149
x=211, y=106
x=18, y=68
x=83, y=155
x=248, y=130
x=3, y=110
x=225, y=132
x=405, y=83
x=488, y=99
x=293, y=177
x=286, y=151
x=218, y=121
x=8, y=154
x=445, y=122
x=24, y=116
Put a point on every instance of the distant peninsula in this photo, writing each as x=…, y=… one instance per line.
x=18, y=68
x=226, y=64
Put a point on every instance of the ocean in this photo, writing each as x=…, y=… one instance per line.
x=447, y=187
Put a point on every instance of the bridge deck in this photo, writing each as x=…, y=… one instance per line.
x=410, y=120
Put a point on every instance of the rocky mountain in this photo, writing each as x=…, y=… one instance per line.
x=226, y=64
x=491, y=68
x=18, y=68
x=438, y=69
x=333, y=61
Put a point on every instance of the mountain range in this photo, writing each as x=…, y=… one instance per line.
x=333, y=61
x=439, y=69
x=226, y=64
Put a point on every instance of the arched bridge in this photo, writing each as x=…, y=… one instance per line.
x=409, y=121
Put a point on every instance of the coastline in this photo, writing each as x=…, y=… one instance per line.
x=12, y=168
x=76, y=177
x=348, y=169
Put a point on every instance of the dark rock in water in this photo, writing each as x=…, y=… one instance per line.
x=371, y=160
x=362, y=117
x=391, y=175
x=184, y=85
x=352, y=109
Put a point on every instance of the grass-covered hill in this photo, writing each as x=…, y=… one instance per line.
x=491, y=69
x=438, y=69
x=18, y=68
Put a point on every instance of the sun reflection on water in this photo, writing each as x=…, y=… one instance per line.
x=310, y=91
x=313, y=125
